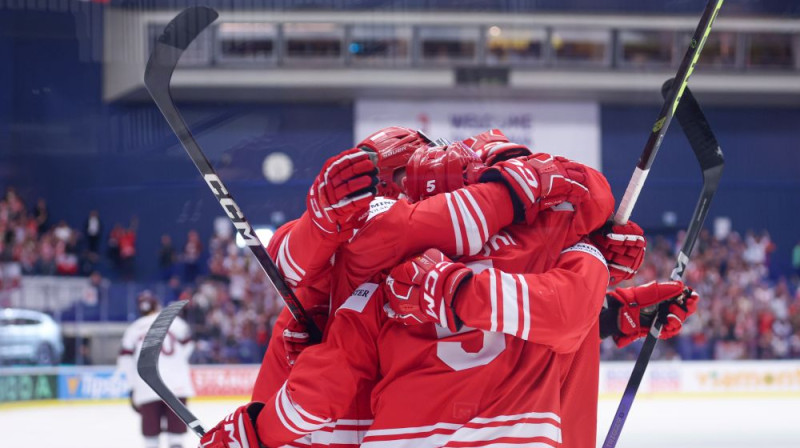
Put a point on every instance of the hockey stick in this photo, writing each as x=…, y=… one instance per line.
x=667, y=111
x=148, y=365
x=179, y=33
x=709, y=155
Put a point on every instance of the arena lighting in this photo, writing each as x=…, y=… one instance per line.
x=264, y=233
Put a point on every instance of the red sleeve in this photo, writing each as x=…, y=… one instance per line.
x=556, y=308
x=456, y=223
x=594, y=211
x=301, y=251
x=274, y=367
x=326, y=377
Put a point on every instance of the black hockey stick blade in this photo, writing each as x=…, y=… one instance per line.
x=148, y=365
x=177, y=36
x=696, y=128
x=709, y=157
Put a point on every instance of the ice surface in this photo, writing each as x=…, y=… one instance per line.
x=653, y=423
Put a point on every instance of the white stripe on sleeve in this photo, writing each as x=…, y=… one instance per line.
x=493, y=298
x=292, y=272
x=510, y=304
x=526, y=308
x=479, y=213
x=455, y=222
x=470, y=226
x=294, y=417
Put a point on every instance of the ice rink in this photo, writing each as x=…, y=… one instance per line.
x=654, y=423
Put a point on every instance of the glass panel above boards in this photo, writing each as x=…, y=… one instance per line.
x=719, y=52
x=443, y=45
x=771, y=51
x=247, y=43
x=380, y=45
x=646, y=49
x=573, y=47
x=515, y=45
x=313, y=43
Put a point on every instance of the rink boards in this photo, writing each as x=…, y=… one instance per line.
x=682, y=405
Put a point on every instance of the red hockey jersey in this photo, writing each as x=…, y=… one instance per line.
x=457, y=223
x=474, y=387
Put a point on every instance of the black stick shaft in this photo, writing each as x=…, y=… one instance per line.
x=177, y=36
x=667, y=111
x=709, y=156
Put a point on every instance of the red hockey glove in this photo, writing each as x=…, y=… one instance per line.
x=431, y=171
x=235, y=430
x=538, y=182
x=493, y=146
x=623, y=247
x=341, y=193
x=631, y=311
x=421, y=290
x=296, y=337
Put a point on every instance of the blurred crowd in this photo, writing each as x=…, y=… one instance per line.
x=233, y=306
x=743, y=314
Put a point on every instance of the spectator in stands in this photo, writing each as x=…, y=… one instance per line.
x=93, y=229
x=113, y=245
x=66, y=261
x=166, y=257
x=62, y=232
x=127, y=250
x=46, y=265
x=41, y=216
x=796, y=259
x=191, y=256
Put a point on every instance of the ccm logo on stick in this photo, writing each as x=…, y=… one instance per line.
x=232, y=210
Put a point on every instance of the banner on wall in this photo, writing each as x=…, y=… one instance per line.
x=216, y=381
x=570, y=129
x=94, y=384
x=716, y=377
x=28, y=387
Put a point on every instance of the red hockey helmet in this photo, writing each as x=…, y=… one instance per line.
x=394, y=146
x=441, y=169
x=147, y=303
x=493, y=146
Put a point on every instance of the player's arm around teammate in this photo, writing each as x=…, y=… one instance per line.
x=321, y=385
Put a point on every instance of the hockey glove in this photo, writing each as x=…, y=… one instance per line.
x=623, y=246
x=341, y=193
x=431, y=171
x=236, y=430
x=538, y=182
x=493, y=146
x=421, y=290
x=296, y=337
x=631, y=311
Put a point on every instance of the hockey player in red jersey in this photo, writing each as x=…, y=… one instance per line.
x=392, y=438
x=484, y=301
x=563, y=213
x=493, y=385
x=458, y=223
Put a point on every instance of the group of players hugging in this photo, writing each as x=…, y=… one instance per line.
x=462, y=290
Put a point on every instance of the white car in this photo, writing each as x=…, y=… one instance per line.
x=29, y=336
